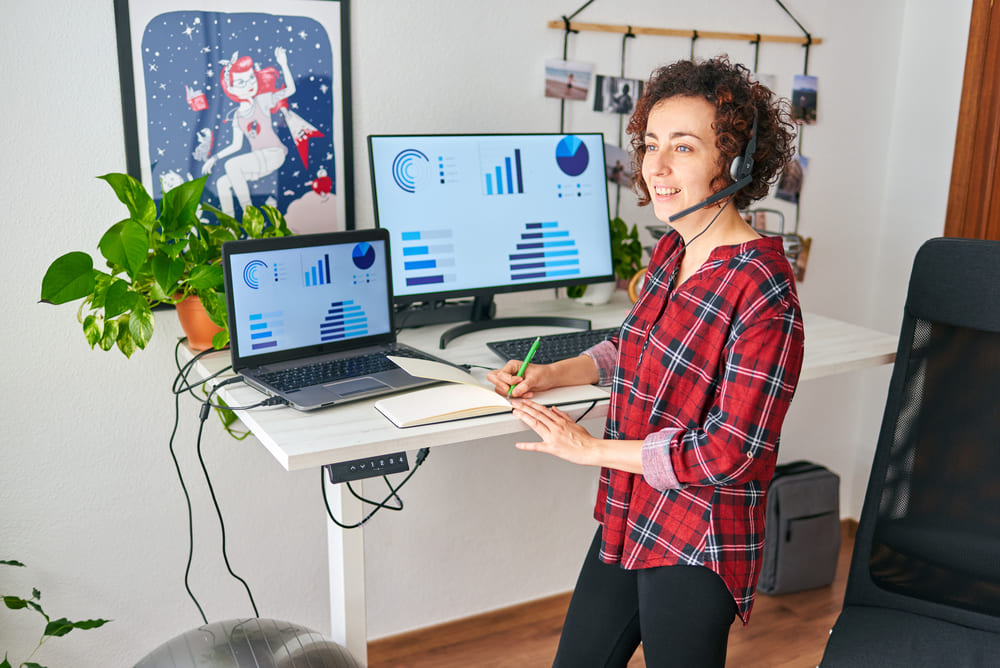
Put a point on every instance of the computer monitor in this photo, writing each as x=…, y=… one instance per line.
x=473, y=215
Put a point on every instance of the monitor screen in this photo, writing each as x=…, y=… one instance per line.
x=474, y=215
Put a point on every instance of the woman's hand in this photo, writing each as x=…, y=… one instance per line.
x=537, y=377
x=561, y=436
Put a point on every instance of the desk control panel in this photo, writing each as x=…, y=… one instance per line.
x=357, y=469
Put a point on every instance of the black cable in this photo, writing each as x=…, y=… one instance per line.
x=380, y=504
x=218, y=511
x=187, y=499
x=589, y=408
x=421, y=456
x=179, y=387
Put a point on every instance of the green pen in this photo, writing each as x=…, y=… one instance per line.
x=524, y=364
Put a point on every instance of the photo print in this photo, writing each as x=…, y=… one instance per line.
x=615, y=95
x=769, y=81
x=804, y=89
x=250, y=94
x=790, y=184
x=619, y=165
x=567, y=79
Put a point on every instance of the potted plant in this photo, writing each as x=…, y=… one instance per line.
x=153, y=258
x=626, y=255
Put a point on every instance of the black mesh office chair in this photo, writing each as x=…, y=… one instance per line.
x=924, y=582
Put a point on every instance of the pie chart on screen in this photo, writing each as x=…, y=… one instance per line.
x=572, y=155
x=363, y=255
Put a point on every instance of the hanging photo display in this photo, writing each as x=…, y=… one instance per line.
x=804, y=88
x=792, y=177
x=768, y=81
x=567, y=79
x=619, y=165
x=616, y=95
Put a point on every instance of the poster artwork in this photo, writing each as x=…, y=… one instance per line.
x=245, y=98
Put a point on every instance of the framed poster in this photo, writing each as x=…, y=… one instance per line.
x=253, y=93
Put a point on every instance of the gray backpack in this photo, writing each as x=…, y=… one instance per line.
x=802, y=528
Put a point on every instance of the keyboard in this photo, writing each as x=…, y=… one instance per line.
x=553, y=347
x=339, y=369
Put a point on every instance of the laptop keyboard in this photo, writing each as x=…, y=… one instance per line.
x=553, y=347
x=339, y=369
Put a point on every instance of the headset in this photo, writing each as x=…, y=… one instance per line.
x=740, y=171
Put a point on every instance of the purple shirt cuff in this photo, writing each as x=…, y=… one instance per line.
x=657, y=468
x=605, y=356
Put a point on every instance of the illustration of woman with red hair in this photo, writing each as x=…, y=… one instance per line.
x=258, y=97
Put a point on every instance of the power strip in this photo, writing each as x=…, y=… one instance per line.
x=357, y=469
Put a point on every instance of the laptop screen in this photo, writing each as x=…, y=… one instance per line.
x=307, y=294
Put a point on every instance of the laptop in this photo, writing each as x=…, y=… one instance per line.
x=311, y=319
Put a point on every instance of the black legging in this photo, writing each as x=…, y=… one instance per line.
x=681, y=614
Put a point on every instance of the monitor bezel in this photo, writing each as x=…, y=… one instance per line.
x=487, y=292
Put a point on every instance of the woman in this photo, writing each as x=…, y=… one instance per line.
x=258, y=97
x=702, y=373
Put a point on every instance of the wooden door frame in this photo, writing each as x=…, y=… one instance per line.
x=974, y=195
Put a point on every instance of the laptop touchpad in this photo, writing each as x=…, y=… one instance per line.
x=355, y=386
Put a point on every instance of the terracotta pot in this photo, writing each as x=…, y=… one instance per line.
x=197, y=326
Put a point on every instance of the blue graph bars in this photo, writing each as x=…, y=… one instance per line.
x=319, y=274
x=426, y=253
x=544, y=251
x=511, y=169
x=344, y=319
x=264, y=328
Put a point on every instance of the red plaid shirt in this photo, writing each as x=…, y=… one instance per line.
x=703, y=374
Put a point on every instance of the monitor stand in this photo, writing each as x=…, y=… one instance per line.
x=480, y=317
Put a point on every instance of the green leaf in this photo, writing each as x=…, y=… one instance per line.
x=253, y=222
x=206, y=277
x=125, y=342
x=93, y=328
x=70, y=277
x=109, y=336
x=167, y=271
x=15, y=602
x=221, y=339
x=280, y=227
x=126, y=246
x=140, y=323
x=180, y=206
x=215, y=305
x=62, y=626
x=133, y=195
x=119, y=299
x=5, y=663
x=11, y=562
x=32, y=664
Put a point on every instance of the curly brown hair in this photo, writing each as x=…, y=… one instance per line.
x=737, y=99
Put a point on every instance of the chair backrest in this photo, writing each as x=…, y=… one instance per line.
x=929, y=534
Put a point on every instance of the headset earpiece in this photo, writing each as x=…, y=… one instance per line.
x=734, y=169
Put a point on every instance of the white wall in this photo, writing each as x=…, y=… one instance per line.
x=89, y=498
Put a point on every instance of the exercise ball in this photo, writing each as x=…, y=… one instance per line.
x=249, y=643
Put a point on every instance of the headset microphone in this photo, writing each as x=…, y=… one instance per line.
x=741, y=172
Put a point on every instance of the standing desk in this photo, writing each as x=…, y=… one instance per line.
x=357, y=431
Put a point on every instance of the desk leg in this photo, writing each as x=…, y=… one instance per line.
x=346, y=548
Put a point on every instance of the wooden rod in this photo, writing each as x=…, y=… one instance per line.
x=689, y=34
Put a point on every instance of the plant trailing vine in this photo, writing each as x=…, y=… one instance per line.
x=54, y=628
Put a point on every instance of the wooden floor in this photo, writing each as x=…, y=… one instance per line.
x=787, y=631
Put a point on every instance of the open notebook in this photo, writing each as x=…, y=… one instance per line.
x=463, y=396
